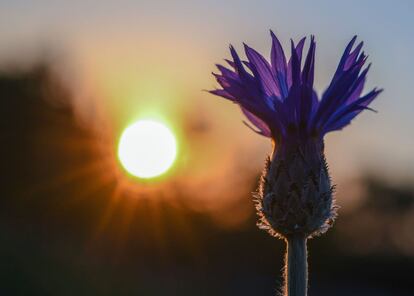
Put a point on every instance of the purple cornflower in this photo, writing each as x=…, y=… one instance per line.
x=279, y=100
x=295, y=199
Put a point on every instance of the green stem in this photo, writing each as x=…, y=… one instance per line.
x=296, y=269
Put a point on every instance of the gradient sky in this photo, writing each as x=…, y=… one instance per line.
x=125, y=52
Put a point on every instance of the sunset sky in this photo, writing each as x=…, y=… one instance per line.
x=123, y=175
x=127, y=59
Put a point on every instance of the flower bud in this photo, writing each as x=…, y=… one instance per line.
x=295, y=195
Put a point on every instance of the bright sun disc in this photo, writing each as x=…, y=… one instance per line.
x=147, y=149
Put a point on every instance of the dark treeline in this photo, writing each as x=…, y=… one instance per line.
x=56, y=237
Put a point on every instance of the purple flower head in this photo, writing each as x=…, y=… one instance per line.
x=278, y=97
x=295, y=195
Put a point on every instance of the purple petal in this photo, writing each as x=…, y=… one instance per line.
x=222, y=93
x=231, y=63
x=262, y=69
x=344, y=57
x=260, y=124
x=294, y=98
x=295, y=61
x=299, y=50
x=353, y=56
x=237, y=63
x=226, y=72
x=278, y=59
x=308, y=68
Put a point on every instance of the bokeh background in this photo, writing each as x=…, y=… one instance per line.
x=74, y=74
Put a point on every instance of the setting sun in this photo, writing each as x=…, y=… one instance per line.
x=147, y=149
